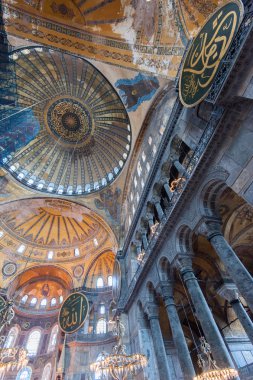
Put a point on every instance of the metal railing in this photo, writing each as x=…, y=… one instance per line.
x=191, y=166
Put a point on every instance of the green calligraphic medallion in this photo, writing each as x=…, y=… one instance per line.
x=73, y=313
x=2, y=303
x=206, y=52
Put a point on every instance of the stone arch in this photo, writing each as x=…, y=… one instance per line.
x=163, y=268
x=184, y=239
x=209, y=196
x=150, y=292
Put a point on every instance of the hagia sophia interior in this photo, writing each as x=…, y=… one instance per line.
x=126, y=189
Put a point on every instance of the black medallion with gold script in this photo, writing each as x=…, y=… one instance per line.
x=207, y=50
x=73, y=313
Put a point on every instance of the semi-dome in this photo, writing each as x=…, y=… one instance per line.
x=53, y=230
x=72, y=130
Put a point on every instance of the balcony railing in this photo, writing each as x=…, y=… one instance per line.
x=85, y=338
x=192, y=164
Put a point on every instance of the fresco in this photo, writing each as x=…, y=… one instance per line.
x=16, y=131
x=137, y=90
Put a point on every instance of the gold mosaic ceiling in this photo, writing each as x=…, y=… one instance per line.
x=53, y=230
x=82, y=134
x=138, y=34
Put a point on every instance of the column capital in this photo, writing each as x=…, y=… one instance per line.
x=209, y=227
x=167, y=288
x=152, y=310
x=229, y=291
x=184, y=263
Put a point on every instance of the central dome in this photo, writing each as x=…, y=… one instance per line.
x=77, y=128
x=70, y=122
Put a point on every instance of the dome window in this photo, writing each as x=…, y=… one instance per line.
x=100, y=282
x=50, y=255
x=53, y=301
x=21, y=248
x=109, y=280
x=43, y=303
x=33, y=301
x=77, y=252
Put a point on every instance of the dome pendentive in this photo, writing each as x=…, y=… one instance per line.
x=81, y=130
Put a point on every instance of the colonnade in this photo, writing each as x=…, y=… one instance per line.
x=242, y=285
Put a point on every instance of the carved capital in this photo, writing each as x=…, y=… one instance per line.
x=184, y=263
x=228, y=291
x=167, y=289
x=152, y=310
x=209, y=227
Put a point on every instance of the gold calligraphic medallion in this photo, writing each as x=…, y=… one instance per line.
x=207, y=51
x=73, y=313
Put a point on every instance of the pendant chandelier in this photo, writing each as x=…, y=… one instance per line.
x=15, y=357
x=210, y=370
x=6, y=312
x=118, y=364
x=12, y=359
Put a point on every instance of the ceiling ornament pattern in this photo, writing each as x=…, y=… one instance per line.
x=71, y=232
x=138, y=35
x=84, y=137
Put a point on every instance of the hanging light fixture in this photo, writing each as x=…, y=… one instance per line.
x=118, y=364
x=12, y=359
x=15, y=357
x=210, y=369
x=6, y=312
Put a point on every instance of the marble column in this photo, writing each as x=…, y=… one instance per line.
x=161, y=356
x=158, y=208
x=181, y=169
x=166, y=187
x=230, y=293
x=235, y=268
x=144, y=240
x=203, y=314
x=177, y=331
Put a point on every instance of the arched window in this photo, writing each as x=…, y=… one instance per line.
x=53, y=301
x=101, y=326
x=53, y=339
x=33, y=342
x=43, y=302
x=11, y=338
x=24, y=374
x=61, y=299
x=24, y=298
x=109, y=280
x=33, y=301
x=46, y=372
x=50, y=255
x=102, y=308
x=100, y=282
x=21, y=248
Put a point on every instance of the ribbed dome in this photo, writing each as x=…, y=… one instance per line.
x=55, y=230
x=84, y=135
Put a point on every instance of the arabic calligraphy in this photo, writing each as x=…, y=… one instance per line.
x=207, y=51
x=73, y=312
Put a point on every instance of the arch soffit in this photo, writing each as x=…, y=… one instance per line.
x=159, y=100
